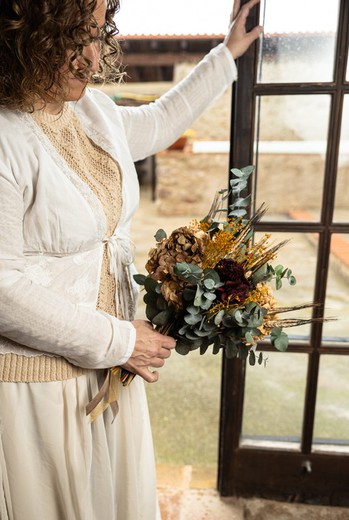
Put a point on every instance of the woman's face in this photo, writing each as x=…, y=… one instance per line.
x=76, y=87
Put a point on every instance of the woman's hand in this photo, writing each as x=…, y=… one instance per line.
x=237, y=39
x=150, y=351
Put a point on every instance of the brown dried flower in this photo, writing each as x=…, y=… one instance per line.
x=185, y=244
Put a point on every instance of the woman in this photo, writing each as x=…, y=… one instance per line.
x=68, y=190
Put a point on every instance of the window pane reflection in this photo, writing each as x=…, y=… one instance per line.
x=290, y=151
x=341, y=213
x=337, y=301
x=332, y=404
x=298, y=47
x=274, y=397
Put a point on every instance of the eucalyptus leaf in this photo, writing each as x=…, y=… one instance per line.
x=247, y=170
x=202, y=333
x=150, y=298
x=206, y=304
x=292, y=280
x=252, y=358
x=192, y=309
x=162, y=318
x=243, y=351
x=243, y=202
x=190, y=272
x=189, y=294
x=182, y=348
x=281, y=343
x=278, y=283
x=211, y=274
x=249, y=338
x=151, y=312
x=198, y=300
x=237, y=213
x=139, y=278
x=259, y=275
x=160, y=235
x=210, y=296
x=238, y=186
x=231, y=350
x=161, y=303
x=150, y=284
x=208, y=325
x=209, y=283
x=279, y=339
x=183, y=329
x=190, y=319
x=203, y=348
x=237, y=172
x=216, y=348
x=190, y=335
x=218, y=318
x=278, y=270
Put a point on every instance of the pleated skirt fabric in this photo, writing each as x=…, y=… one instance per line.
x=57, y=465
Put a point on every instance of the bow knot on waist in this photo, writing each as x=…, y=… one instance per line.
x=121, y=254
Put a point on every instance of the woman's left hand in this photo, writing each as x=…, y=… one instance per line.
x=238, y=39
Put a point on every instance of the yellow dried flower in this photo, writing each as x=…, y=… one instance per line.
x=223, y=244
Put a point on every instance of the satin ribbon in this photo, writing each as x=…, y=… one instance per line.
x=108, y=395
x=121, y=253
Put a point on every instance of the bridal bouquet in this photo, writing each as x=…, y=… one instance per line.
x=209, y=283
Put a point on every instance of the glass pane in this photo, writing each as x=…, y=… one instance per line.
x=184, y=404
x=184, y=410
x=298, y=47
x=290, y=151
x=341, y=213
x=301, y=246
x=274, y=397
x=337, y=301
x=332, y=404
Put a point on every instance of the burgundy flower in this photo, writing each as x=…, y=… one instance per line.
x=236, y=287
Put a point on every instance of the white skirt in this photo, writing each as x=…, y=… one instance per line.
x=56, y=465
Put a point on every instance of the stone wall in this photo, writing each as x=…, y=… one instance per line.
x=186, y=182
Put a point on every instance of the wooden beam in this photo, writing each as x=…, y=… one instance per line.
x=160, y=59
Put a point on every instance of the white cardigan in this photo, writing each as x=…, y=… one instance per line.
x=52, y=227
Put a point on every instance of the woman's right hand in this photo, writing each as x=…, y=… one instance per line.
x=150, y=351
x=238, y=39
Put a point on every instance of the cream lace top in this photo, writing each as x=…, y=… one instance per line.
x=101, y=173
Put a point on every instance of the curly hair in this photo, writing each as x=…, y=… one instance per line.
x=38, y=38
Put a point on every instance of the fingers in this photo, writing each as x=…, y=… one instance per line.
x=150, y=351
x=235, y=11
x=254, y=34
x=168, y=342
x=243, y=13
x=238, y=39
x=148, y=375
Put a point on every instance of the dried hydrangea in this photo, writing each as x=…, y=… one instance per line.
x=185, y=244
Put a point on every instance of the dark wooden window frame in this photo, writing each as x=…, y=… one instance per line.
x=278, y=473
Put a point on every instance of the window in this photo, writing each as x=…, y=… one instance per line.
x=285, y=428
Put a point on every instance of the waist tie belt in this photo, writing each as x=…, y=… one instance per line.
x=121, y=254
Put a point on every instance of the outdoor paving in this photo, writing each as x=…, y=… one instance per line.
x=183, y=497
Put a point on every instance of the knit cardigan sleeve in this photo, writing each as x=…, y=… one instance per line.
x=151, y=128
x=37, y=317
